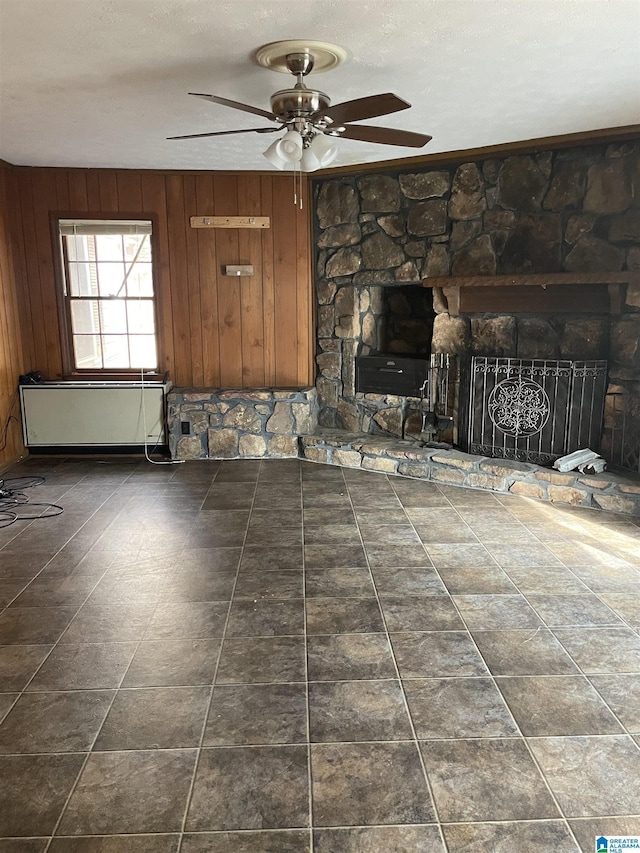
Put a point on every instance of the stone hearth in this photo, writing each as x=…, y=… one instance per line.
x=606, y=491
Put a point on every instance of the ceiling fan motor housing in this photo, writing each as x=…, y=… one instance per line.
x=299, y=102
x=289, y=104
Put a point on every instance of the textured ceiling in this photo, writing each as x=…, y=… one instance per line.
x=103, y=82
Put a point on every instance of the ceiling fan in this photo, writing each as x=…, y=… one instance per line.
x=306, y=114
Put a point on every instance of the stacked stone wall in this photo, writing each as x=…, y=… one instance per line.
x=570, y=210
x=239, y=424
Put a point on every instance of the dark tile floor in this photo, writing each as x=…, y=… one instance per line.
x=281, y=657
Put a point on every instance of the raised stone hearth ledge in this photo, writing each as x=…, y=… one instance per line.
x=249, y=423
x=606, y=491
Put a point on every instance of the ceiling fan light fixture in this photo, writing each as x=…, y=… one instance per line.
x=320, y=152
x=323, y=149
x=273, y=156
x=309, y=162
x=290, y=147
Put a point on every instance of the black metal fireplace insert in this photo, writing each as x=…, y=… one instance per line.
x=391, y=374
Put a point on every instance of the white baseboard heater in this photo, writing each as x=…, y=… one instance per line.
x=93, y=414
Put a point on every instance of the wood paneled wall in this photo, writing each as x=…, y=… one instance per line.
x=11, y=365
x=215, y=330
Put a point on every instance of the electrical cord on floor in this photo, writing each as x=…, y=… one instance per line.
x=5, y=429
x=20, y=483
x=15, y=505
x=144, y=426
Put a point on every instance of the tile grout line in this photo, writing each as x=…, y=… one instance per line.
x=250, y=746
x=54, y=646
x=90, y=752
x=115, y=693
x=621, y=622
x=306, y=670
x=550, y=629
x=517, y=727
x=169, y=687
x=522, y=737
x=579, y=668
x=22, y=693
x=625, y=730
x=586, y=677
x=406, y=701
x=399, y=680
x=4, y=609
x=190, y=791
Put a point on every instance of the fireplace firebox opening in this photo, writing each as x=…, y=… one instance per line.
x=407, y=321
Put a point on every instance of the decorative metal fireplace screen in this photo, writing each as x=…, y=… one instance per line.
x=535, y=411
x=622, y=431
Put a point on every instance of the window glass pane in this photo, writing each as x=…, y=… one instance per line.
x=116, y=351
x=87, y=351
x=74, y=252
x=110, y=292
x=140, y=280
x=84, y=317
x=114, y=316
x=109, y=247
x=82, y=280
x=70, y=247
x=143, y=351
x=111, y=278
x=140, y=314
x=137, y=246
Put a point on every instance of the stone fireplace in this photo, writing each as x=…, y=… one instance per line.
x=535, y=256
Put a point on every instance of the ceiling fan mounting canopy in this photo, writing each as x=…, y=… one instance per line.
x=300, y=64
x=307, y=112
x=275, y=55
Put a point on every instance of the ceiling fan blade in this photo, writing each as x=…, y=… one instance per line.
x=236, y=105
x=227, y=132
x=360, y=108
x=385, y=135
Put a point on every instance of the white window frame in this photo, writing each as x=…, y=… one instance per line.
x=95, y=290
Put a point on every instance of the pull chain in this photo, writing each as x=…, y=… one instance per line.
x=297, y=187
x=295, y=197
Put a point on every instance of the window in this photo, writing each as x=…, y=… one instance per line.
x=109, y=307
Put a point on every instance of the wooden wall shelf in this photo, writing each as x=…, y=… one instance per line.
x=230, y=222
x=600, y=293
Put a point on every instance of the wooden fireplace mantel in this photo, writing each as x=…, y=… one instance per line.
x=600, y=292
